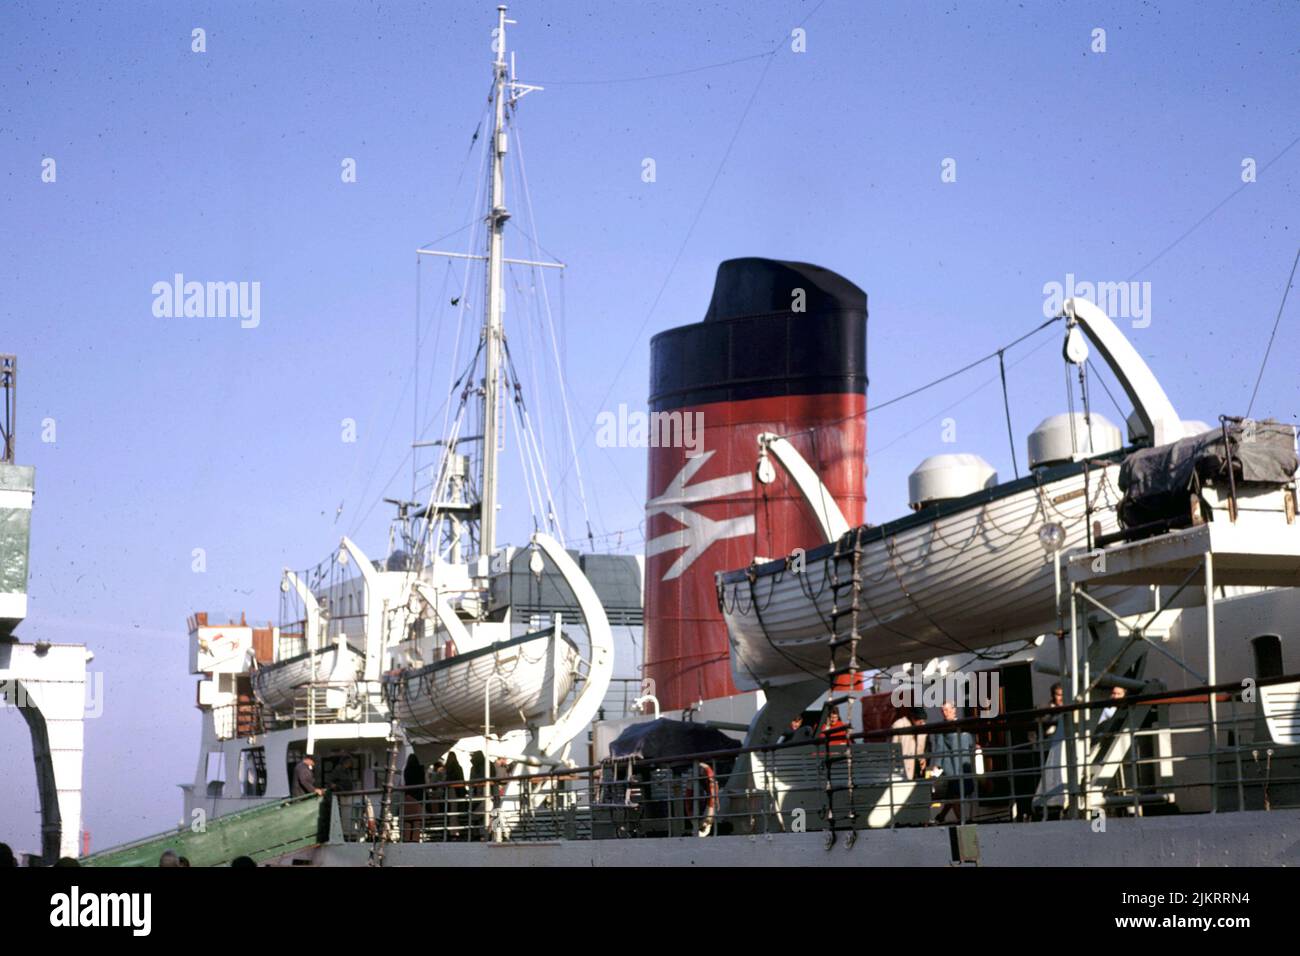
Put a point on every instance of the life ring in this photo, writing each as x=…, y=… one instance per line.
x=702, y=799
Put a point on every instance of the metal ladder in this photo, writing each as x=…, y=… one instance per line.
x=838, y=675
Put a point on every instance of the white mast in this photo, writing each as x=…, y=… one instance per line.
x=506, y=92
x=497, y=216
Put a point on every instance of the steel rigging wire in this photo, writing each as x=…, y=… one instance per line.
x=1285, y=292
x=695, y=219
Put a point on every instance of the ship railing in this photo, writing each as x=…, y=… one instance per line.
x=240, y=718
x=1158, y=753
x=293, y=643
x=310, y=707
x=621, y=699
x=582, y=804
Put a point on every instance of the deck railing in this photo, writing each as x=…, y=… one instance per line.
x=1153, y=755
x=620, y=699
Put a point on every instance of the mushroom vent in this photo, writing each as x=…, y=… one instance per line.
x=945, y=477
x=1067, y=437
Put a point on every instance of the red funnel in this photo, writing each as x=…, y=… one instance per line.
x=782, y=349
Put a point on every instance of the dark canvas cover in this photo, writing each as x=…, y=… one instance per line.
x=1156, y=481
x=662, y=738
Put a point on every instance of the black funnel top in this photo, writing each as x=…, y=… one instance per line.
x=754, y=344
x=752, y=286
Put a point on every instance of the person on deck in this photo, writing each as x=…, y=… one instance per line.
x=414, y=776
x=952, y=758
x=304, y=778
x=457, y=802
x=835, y=729
x=438, y=799
x=801, y=728
x=1109, y=725
x=1056, y=702
x=342, y=777
x=341, y=780
x=913, y=744
x=1108, y=713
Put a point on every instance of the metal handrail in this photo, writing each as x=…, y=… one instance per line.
x=664, y=796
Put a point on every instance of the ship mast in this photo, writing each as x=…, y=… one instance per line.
x=506, y=91
x=497, y=216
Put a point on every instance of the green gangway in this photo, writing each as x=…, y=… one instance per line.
x=263, y=832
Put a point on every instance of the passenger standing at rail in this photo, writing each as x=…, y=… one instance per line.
x=1056, y=700
x=457, y=799
x=835, y=729
x=304, y=778
x=913, y=744
x=342, y=779
x=438, y=799
x=952, y=756
x=1108, y=713
x=412, y=799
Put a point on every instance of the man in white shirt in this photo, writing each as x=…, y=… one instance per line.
x=1116, y=693
x=913, y=745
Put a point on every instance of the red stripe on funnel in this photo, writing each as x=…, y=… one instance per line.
x=704, y=517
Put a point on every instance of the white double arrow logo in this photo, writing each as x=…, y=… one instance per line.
x=697, y=532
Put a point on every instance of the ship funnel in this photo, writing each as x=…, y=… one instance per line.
x=782, y=349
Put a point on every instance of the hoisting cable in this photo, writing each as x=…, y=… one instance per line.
x=997, y=353
x=1285, y=292
x=528, y=436
x=1106, y=389
x=1087, y=421
x=965, y=368
x=555, y=349
x=1006, y=405
x=1069, y=408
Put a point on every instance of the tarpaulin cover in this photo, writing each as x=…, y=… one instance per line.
x=669, y=738
x=1156, y=481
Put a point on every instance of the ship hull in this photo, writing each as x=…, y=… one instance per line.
x=1224, y=839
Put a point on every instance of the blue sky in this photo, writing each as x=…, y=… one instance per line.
x=175, y=434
